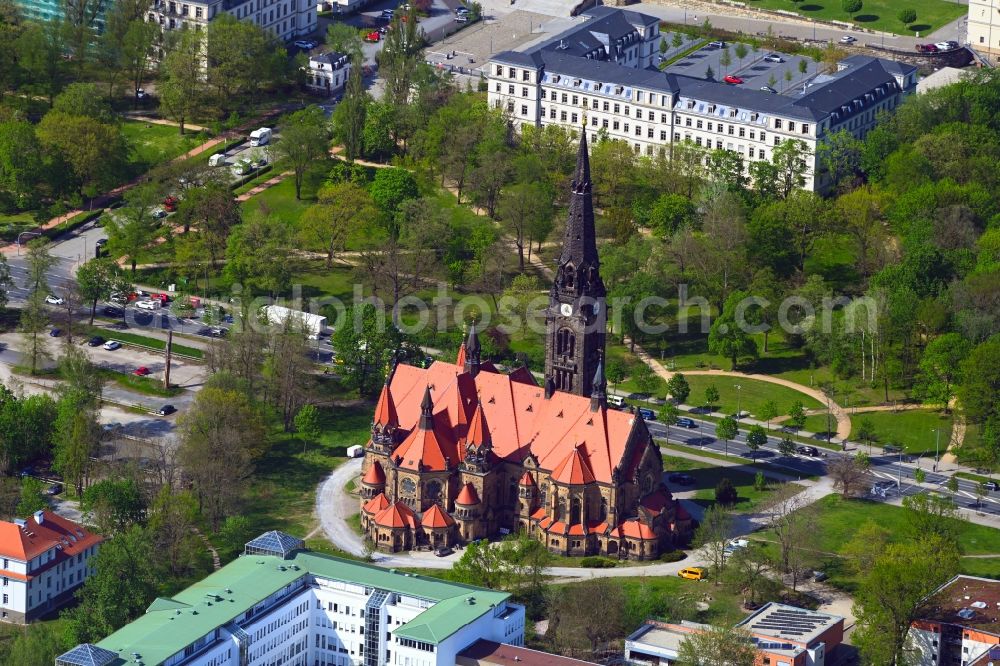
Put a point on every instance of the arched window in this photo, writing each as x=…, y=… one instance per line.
x=574, y=511
x=513, y=491
x=604, y=508
x=434, y=490
x=565, y=342
x=569, y=276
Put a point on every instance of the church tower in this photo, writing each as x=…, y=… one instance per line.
x=576, y=318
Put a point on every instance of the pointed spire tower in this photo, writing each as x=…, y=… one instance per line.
x=427, y=410
x=576, y=318
x=599, y=392
x=472, y=357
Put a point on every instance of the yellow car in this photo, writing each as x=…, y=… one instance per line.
x=692, y=573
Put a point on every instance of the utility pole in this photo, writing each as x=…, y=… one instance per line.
x=937, y=447
x=739, y=399
x=166, y=371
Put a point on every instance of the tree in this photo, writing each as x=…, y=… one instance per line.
x=181, y=86
x=727, y=337
x=710, y=537
x=120, y=590
x=669, y=213
x=378, y=131
x=616, y=372
x=788, y=76
x=952, y=484
x=221, y=435
x=907, y=16
x=242, y=58
x=257, y=255
x=726, y=430
x=768, y=412
x=22, y=168
x=134, y=228
x=725, y=492
x=725, y=60
x=940, y=368
x=796, y=416
x=772, y=81
x=392, y=187
x=340, y=209
x=136, y=49
x=344, y=38
x=803, y=66
x=114, y=505
x=668, y=415
x=32, y=496
x=587, y=614
x=847, y=475
x=786, y=446
x=931, y=514
x=711, y=396
x=33, y=321
x=741, y=51
x=747, y=574
x=77, y=436
x=95, y=151
x=866, y=432
x=718, y=646
x=94, y=279
x=522, y=208
x=756, y=439
x=481, y=564
x=709, y=73
x=851, y=6
x=678, y=388
x=40, y=48
x=307, y=425
x=866, y=546
x=895, y=591
x=919, y=475
x=173, y=524
x=367, y=346
x=677, y=41
x=304, y=138
x=349, y=116
x=793, y=523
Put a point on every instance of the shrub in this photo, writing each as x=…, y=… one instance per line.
x=594, y=562
x=725, y=492
x=673, y=556
x=906, y=16
x=852, y=6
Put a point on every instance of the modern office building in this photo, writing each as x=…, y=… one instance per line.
x=983, y=28
x=287, y=19
x=599, y=74
x=279, y=603
x=45, y=558
x=782, y=635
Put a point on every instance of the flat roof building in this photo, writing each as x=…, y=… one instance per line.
x=280, y=603
x=491, y=653
x=600, y=74
x=960, y=624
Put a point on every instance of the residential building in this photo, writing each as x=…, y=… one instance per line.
x=279, y=603
x=460, y=451
x=784, y=636
x=328, y=72
x=51, y=10
x=491, y=653
x=983, y=28
x=573, y=80
x=45, y=558
x=287, y=19
x=960, y=624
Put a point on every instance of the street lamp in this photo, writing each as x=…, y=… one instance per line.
x=937, y=446
x=739, y=396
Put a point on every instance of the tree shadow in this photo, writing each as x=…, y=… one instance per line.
x=812, y=8
x=919, y=27
x=866, y=18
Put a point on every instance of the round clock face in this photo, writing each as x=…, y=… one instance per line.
x=566, y=309
x=597, y=307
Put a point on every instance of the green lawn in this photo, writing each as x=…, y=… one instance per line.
x=13, y=224
x=280, y=199
x=751, y=396
x=875, y=14
x=707, y=476
x=837, y=520
x=155, y=144
x=911, y=428
x=143, y=340
x=817, y=423
x=283, y=493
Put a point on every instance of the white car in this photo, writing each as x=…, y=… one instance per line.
x=54, y=300
x=943, y=46
x=738, y=543
x=158, y=213
x=112, y=345
x=147, y=305
x=304, y=44
x=773, y=57
x=847, y=39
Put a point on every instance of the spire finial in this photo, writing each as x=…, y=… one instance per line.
x=599, y=393
x=581, y=176
x=427, y=410
x=472, y=358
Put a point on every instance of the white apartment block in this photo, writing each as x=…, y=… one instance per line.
x=573, y=79
x=280, y=604
x=327, y=73
x=287, y=19
x=44, y=559
x=983, y=28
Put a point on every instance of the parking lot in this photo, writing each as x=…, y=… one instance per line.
x=784, y=77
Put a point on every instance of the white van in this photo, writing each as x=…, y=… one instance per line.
x=616, y=401
x=218, y=159
x=260, y=137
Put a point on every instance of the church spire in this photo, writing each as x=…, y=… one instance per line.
x=427, y=411
x=580, y=242
x=471, y=360
x=599, y=392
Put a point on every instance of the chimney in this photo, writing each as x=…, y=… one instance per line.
x=39, y=517
x=19, y=522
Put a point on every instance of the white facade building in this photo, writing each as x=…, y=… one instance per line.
x=287, y=19
x=574, y=78
x=280, y=604
x=44, y=559
x=983, y=28
x=328, y=72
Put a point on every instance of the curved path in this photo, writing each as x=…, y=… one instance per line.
x=839, y=413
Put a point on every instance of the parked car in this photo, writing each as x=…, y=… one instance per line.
x=769, y=89
x=693, y=573
x=141, y=93
x=166, y=410
x=141, y=371
x=773, y=57
x=819, y=576
x=944, y=46
x=685, y=422
x=162, y=298
x=735, y=80
x=303, y=44
x=159, y=213
x=148, y=305
x=112, y=345
x=646, y=413
x=884, y=488
x=681, y=479
x=991, y=485
x=373, y=36
x=847, y=39
x=112, y=311
x=739, y=543
x=892, y=449
x=807, y=451
x=952, y=44
x=54, y=300
x=462, y=18
x=927, y=48
x=170, y=204
x=259, y=163
x=718, y=44
x=443, y=551
x=95, y=341
x=54, y=489
x=55, y=332
x=462, y=10
x=101, y=242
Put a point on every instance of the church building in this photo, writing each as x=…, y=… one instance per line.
x=460, y=451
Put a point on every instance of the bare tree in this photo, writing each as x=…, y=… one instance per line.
x=588, y=613
x=847, y=475
x=710, y=538
x=794, y=527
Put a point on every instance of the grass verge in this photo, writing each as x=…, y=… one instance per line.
x=143, y=341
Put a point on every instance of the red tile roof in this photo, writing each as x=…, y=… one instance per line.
x=460, y=361
x=385, y=409
x=397, y=514
x=573, y=470
x=527, y=479
x=636, y=530
x=479, y=431
x=657, y=502
x=520, y=420
x=435, y=449
x=30, y=541
x=436, y=517
x=468, y=496
x=374, y=476
x=377, y=503
x=484, y=652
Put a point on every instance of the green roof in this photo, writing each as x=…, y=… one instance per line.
x=169, y=625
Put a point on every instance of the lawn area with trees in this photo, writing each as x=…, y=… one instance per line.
x=152, y=144
x=913, y=429
x=875, y=14
x=751, y=397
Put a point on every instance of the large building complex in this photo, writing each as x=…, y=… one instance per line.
x=600, y=74
x=287, y=19
x=984, y=28
x=783, y=636
x=959, y=624
x=281, y=604
x=45, y=558
x=460, y=451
